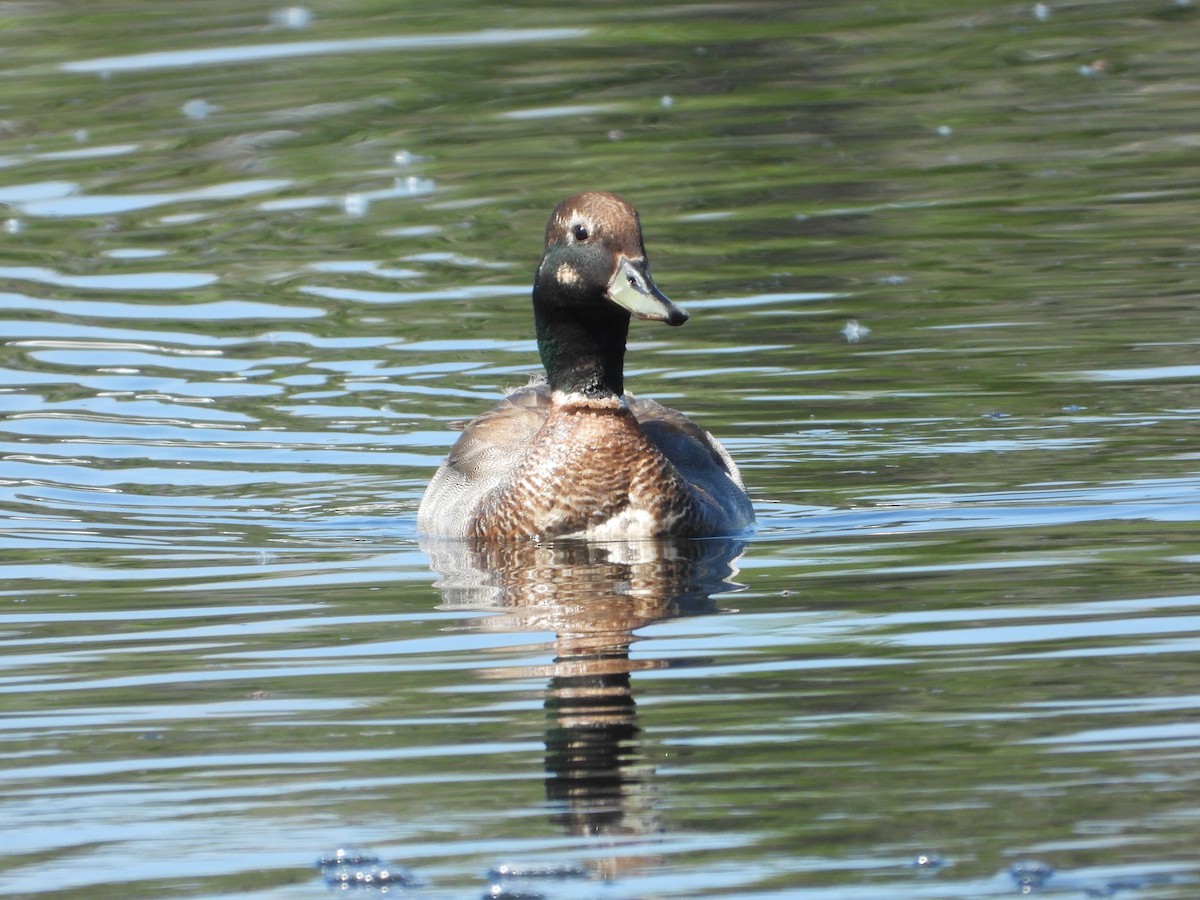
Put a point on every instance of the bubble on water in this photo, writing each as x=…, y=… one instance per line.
x=928, y=861
x=535, y=870
x=666, y=101
x=355, y=205
x=198, y=109
x=412, y=185
x=944, y=131
x=1030, y=874
x=351, y=868
x=81, y=135
x=854, y=332
x=350, y=856
x=291, y=17
x=405, y=158
x=13, y=226
x=1041, y=12
x=530, y=881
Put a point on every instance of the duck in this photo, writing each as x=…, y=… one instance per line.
x=573, y=456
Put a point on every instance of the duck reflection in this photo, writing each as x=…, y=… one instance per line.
x=593, y=597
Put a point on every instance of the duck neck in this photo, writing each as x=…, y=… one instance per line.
x=583, y=354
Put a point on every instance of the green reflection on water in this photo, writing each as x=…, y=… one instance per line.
x=1000, y=198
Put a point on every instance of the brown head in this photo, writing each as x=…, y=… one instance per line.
x=592, y=277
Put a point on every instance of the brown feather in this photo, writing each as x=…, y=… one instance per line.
x=531, y=468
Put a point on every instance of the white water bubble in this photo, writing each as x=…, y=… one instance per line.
x=295, y=17
x=198, y=109
x=411, y=184
x=854, y=332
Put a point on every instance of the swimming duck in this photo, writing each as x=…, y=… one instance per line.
x=575, y=456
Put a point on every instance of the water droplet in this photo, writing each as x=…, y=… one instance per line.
x=291, y=17
x=348, y=856
x=346, y=867
x=666, y=101
x=853, y=332
x=1030, y=874
x=1041, y=12
x=198, y=109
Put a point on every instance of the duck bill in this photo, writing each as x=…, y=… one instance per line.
x=632, y=289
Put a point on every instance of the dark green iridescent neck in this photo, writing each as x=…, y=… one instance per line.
x=583, y=353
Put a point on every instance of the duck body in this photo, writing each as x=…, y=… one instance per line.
x=577, y=457
x=540, y=466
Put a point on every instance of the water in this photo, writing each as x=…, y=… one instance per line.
x=257, y=258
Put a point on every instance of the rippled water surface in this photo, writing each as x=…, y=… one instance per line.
x=256, y=261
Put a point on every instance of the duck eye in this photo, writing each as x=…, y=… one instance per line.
x=580, y=232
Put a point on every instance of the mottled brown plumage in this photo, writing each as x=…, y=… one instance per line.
x=577, y=457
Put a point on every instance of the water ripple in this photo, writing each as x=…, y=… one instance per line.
x=172, y=59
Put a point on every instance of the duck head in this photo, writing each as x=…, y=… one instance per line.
x=593, y=276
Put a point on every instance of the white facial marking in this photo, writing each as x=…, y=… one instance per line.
x=566, y=274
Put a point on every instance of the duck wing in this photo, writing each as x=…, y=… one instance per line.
x=698, y=457
x=487, y=452
x=494, y=443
